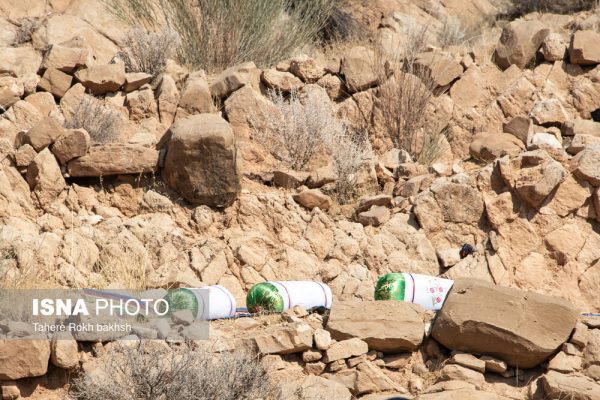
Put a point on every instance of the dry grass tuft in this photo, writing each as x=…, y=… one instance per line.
x=298, y=128
x=142, y=372
x=149, y=51
x=403, y=97
x=216, y=34
x=103, y=123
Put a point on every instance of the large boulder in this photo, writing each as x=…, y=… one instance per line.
x=489, y=146
x=43, y=134
x=533, y=175
x=587, y=165
x=44, y=177
x=584, y=49
x=519, y=327
x=576, y=387
x=388, y=326
x=201, y=162
x=114, y=159
x=23, y=358
x=519, y=42
x=100, y=79
x=294, y=338
x=357, y=68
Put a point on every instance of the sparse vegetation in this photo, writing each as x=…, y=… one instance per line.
x=303, y=126
x=403, y=97
x=103, y=123
x=216, y=34
x=298, y=128
x=146, y=372
x=349, y=152
x=149, y=51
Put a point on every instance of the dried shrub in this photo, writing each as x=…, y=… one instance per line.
x=350, y=152
x=149, y=51
x=103, y=123
x=26, y=28
x=520, y=7
x=216, y=34
x=143, y=372
x=297, y=129
x=402, y=99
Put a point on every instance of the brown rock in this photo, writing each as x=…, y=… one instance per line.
x=587, y=165
x=280, y=81
x=576, y=387
x=55, y=82
x=315, y=387
x=388, y=326
x=566, y=363
x=554, y=47
x=371, y=379
x=24, y=155
x=10, y=390
x=10, y=91
x=289, y=179
x=135, y=80
x=376, y=216
x=564, y=243
x=479, y=317
x=440, y=67
x=452, y=372
x=580, y=142
x=311, y=198
x=65, y=59
x=64, y=353
x=489, y=146
x=322, y=339
x=195, y=97
x=549, y=112
x=580, y=335
x=357, y=68
x=246, y=105
x=584, y=48
x=494, y=365
x=72, y=144
x=382, y=200
x=114, y=159
x=306, y=68
x=100, y=79
x=234, y=78
x=201, y=162
x=19, y=61
x=44, y=177
x=167, y=95
x=333, y=85
x=295, y=338
x=345, y=349
x=469, y=361
x=581, y=127
x=519, y=42
x=463, y=394
x=520, y=127
x=23, y=358
x=43, y=134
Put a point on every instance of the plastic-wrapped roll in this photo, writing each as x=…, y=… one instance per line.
x=427, y=291
x=282, y=295
x=206, y=303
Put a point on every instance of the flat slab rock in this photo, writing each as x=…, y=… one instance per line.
x=114, y=159
x=519, y=327
x=462, y=394
x=388, y=326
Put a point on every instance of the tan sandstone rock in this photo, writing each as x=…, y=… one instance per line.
x=72, y=144
x=23, y=358
x=100, y=79
x=388, y=326
x=519, y=327
x=519, y=42
x=114, y=159
x=201, y=162
x=44, y=177
x=584, y=48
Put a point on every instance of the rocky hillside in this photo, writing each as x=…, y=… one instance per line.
x=118, y=179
